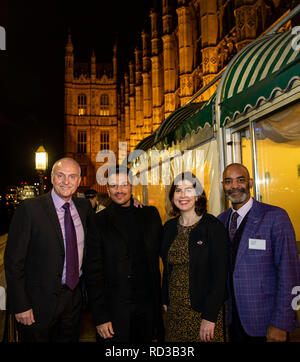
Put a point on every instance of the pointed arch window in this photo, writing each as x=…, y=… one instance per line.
x=104, y=105
x=81, y=141
x=82, y=104
x=104, y=140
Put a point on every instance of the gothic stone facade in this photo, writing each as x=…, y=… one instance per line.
x=187, y=44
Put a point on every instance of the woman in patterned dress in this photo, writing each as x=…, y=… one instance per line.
x=195, y=257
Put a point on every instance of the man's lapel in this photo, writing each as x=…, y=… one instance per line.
x=226, y=217
x=50, y=209
x=251, y=224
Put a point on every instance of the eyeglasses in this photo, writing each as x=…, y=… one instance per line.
x=115, y=186
x=239, y=180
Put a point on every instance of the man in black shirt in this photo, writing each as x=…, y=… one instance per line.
x=122, y=267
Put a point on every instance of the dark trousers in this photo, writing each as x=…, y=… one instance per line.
x=141, y=323
x=138, y=328
x=65, y=324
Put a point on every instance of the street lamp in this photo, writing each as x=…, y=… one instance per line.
x=41, y=164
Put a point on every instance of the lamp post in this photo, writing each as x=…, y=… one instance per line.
x=41, y=164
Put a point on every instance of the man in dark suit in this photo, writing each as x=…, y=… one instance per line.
x=122, y=266
x=264, y=265
x=43, y=258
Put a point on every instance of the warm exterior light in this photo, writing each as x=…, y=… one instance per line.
x=41, y=159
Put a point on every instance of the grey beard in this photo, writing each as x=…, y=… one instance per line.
x=242, y=198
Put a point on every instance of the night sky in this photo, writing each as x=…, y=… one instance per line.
x=32, y=69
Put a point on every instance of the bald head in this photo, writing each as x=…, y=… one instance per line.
x=236, y=166
x=66, y=160
x=65, y=177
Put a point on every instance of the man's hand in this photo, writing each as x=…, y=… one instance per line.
x=25, y=318
x=105, y=330
x=137, y=203
x=207, y=329
x=275, y=334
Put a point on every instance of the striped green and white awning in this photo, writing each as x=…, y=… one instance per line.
x=172, y=133
x=176, y=118
x=262, y=68
x=190, y=118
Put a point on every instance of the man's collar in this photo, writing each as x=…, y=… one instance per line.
x=58, y=201
x=242, y=211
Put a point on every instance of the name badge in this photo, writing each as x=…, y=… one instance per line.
x=257, y=244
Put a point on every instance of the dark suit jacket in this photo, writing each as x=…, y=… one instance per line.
x=107, y=266
x=208, y=264
x=34, y=256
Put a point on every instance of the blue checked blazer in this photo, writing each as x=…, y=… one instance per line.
x=263, y=279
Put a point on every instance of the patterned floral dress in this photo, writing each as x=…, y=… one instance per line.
x=182, y=322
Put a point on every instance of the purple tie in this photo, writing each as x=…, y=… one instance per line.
x=72, y=265
x=233, y=225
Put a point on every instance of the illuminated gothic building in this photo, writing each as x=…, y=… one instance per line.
x=188, y=44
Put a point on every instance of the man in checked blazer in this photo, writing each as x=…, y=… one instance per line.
x=264, y=264
x=47, y=308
